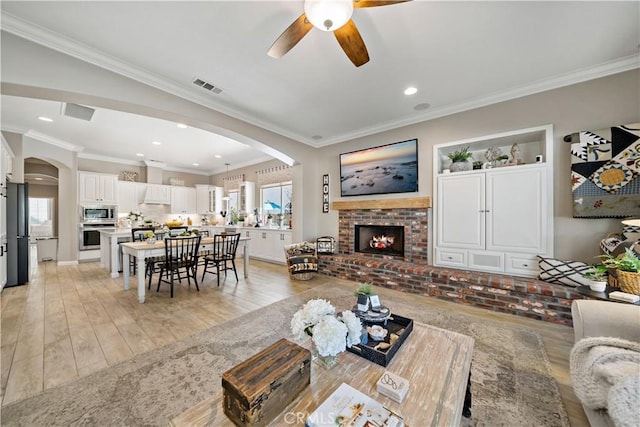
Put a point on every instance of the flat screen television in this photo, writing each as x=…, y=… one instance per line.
x=391, y=168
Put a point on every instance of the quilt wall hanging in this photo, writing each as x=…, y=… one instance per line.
x=605, y=172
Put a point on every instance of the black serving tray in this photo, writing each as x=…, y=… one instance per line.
x=383, y=357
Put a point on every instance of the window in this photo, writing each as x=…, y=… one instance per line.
x=276, y=199
x=40, y=217
x=233, y=200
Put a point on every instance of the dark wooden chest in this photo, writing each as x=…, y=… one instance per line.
x=258, y=389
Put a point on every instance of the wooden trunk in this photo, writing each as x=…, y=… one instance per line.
x=258, y=389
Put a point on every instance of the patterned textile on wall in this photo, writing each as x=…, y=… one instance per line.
x=605, y=172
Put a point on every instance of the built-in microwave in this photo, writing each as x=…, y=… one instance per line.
x=98, y=213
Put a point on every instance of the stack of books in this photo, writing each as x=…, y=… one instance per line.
x=348, y=407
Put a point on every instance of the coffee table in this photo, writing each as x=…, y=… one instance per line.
x=435, y=361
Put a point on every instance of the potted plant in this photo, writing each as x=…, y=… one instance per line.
x=627, y=270
x=597, y=276
x=460, y=160
x=366, y=297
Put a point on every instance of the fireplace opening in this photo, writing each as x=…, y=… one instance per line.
x=380, y=239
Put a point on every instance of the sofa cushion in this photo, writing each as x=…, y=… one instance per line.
x=568, y=273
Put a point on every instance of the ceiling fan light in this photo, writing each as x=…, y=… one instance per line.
x=328, y=15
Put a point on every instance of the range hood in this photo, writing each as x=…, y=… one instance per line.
x=156, y=193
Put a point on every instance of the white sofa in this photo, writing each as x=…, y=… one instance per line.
x=595, y=319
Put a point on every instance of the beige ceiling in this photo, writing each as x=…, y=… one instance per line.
x=460, y=55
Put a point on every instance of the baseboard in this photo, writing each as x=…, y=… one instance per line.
x=60, y=263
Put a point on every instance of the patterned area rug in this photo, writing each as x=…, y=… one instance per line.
x=511, y=380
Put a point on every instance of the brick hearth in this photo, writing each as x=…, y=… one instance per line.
x=516, y=295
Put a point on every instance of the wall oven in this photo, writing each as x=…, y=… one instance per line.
x=99, y=213
x=89, y=234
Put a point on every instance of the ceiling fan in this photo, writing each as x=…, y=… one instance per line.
x=329, y=15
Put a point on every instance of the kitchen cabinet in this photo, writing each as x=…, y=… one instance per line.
x=496, y=219
x=247, y=197
x=97, y=188
x=130, y=196
x=209, y=199
x=268, y=244
x=157, y=194
x=183, y=200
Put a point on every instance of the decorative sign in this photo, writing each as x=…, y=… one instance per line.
x=325, y=193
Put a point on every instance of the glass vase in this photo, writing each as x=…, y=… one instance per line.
x=326, y=362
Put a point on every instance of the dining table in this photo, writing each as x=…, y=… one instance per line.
x=143, y=250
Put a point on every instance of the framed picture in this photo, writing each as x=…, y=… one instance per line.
x=391, y=168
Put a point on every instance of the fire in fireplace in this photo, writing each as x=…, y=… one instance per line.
x=380, y=239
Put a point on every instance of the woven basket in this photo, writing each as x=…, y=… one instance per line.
x=629, y=282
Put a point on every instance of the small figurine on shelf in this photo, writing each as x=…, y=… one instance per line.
x=515, y=155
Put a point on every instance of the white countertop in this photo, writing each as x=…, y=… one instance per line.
x=126, y=232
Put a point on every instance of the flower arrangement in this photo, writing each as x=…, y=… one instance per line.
x=135, y=216
x=149, y=234
x=330, y=334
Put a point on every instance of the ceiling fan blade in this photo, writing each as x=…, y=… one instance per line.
x=349, y=38
x=290, y=37
x=374, y=3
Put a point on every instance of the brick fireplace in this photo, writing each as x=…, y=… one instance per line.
x=411, y=272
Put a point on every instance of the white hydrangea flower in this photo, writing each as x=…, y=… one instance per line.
x=315, y=309
x=329, y=336
x=354, y=327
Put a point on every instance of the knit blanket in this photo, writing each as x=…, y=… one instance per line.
x=605, y=373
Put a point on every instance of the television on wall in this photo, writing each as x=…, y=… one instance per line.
x=391, y=168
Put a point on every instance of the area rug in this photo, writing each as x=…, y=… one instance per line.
x=511, y=380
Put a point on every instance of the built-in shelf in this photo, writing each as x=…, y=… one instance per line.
x=405, y=202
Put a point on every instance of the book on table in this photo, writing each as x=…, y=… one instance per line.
x=348, y=407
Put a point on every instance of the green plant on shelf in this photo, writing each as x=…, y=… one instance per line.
x=596, y=273
x=461, y=155
x=628, y=262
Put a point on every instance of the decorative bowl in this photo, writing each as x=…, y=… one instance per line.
x=377, y=332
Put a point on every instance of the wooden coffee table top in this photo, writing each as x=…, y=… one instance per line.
x=435, y=361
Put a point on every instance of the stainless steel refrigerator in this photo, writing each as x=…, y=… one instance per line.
x=17, y=234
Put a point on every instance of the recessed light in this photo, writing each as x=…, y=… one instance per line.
x=316, y=137
x=421, y=107
x=411, y=90
x=156, y=143
x=181, y=125
x=38, y=178
x=45, y=119
x=139, y=154
x=218, y=156
x=196, y=164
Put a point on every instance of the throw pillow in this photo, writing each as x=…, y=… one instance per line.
x=568, y=273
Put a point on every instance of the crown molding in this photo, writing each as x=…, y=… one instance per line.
x=53, y=141
x=99, y=157
x=590, y=73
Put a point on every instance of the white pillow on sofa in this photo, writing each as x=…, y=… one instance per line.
x=568, y=273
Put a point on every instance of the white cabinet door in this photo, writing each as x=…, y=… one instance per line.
x=216, y=194
x=460, y=211
x=108, y=189
x=183, y=200
x=99, y=188
x=247, y=197
x=516, y=210
x=203, y=199
x=4, y=165
x=88, y=187
x=128, y=197
x=279, y=240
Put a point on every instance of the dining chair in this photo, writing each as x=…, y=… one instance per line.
x=181, y=255
x=224, y=251
x=137, y=235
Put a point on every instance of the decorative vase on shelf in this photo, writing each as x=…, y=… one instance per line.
x=461, y=166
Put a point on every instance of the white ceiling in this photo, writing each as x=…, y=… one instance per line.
x=460, y=55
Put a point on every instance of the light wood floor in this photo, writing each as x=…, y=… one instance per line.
x=73, y=320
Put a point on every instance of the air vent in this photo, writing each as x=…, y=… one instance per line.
x=206, y=85
x=77, y=111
